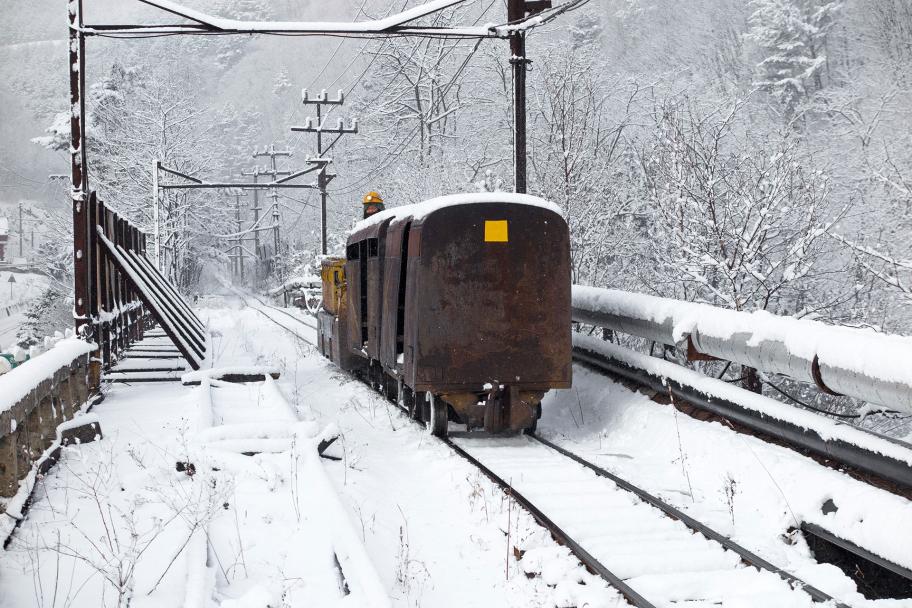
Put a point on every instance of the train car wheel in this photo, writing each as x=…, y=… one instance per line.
x=436, y=422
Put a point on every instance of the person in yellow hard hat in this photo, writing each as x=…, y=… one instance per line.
x=372, y=204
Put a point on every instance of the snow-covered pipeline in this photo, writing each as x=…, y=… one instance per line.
x=860, y=363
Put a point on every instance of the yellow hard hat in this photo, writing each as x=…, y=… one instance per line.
x=372, y=198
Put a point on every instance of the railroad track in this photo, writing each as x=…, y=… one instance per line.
x=878, y=467
x=305, y=322
x=651, y=552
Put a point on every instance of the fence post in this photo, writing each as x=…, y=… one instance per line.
x=104, y=289
x=93, y=276
x=119, y=299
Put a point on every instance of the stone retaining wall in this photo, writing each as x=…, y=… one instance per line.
x=29, y=427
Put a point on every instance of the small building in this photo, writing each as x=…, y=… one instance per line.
x=4, y=237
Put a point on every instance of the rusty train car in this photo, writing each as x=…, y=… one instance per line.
x=458, y=307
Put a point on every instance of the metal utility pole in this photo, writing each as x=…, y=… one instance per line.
x=272, y=153
x=21, y=230
x=192, y=183
x=78, y=182
x=238, y=242
x=323, y=177
x=517, y=11
x=256, y=219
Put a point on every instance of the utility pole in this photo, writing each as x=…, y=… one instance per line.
x=272, y=153
x=156, y=212
x=256, y=220
x=238, y=242
x=323, y=177
x=79, y=189
x=21, y=230
x=518, y=10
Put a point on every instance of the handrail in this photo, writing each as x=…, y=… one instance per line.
x=860, y=363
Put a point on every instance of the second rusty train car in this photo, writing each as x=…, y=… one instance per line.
x=459, y=307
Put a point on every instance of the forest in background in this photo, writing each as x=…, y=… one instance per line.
x=752, y=155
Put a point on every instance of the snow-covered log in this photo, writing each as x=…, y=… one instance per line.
x=856, y=362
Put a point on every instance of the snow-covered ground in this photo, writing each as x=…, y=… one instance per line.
x=26, y=287
x=438, y=533
x=752, y=491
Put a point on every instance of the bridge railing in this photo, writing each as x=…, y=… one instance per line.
x=859, y=363
x=117, y=315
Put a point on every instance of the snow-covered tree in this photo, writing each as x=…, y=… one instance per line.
x=579, y=157
x=735, y=222
x=791, y=36
x=135, y=118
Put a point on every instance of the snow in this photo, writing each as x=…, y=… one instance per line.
x=827, y=428
x=306, y=281
x=397, y=503
x=14, y=506
x=376, y=25
x=19, y=382
x=234, y=370
x=425, y=208
x=27, y=286
x=754, y=492
x=428, y=521
x=860, y=351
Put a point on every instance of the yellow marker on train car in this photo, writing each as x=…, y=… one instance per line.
x=496, y=231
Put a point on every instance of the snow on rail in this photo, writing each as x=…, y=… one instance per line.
x=828, y=429
x=239, y=420
x=857, y=362
x=252, y=371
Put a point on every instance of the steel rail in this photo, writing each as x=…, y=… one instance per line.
x=586, y=558
x=286, y=313
x=748, y=556
x=823, y=533
x=884, y=467
x=285, y=327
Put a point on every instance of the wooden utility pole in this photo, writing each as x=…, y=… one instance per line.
x=324, y=177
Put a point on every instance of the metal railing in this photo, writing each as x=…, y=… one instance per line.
x=864, y=364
